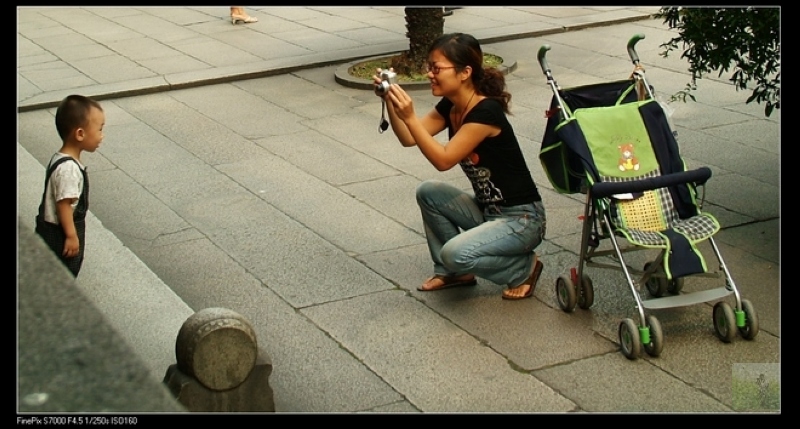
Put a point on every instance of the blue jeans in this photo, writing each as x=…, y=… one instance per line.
x=496, y=243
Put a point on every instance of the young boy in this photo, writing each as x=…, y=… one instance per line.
x=62, y=212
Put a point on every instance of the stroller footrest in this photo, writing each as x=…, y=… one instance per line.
x=686, y=299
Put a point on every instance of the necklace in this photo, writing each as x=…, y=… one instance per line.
x=464, y=112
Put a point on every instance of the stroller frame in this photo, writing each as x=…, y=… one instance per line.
x=571, y=171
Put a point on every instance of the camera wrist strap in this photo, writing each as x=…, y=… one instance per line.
x=384, y=124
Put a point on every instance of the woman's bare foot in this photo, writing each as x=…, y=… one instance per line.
x=526, y=289
x=519, y=292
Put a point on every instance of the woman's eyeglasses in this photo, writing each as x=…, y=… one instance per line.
x=433, y=68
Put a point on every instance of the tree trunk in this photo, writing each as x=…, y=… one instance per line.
x=424, y=25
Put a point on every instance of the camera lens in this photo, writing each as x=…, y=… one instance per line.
x=381, y=88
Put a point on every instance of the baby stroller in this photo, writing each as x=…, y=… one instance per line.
x=613, y=142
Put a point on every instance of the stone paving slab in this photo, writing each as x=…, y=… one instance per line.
x=589, y=381
x=433, y=363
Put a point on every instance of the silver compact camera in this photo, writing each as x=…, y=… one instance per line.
x=387, y=79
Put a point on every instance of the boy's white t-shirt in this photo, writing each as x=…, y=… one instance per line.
x=65, y=182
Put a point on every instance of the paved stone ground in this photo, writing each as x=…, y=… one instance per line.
x=275, y=197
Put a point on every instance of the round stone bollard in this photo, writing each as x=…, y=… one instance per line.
x=220, y=366
x=218, y=347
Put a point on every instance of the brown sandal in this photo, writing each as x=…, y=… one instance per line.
x=448, y=282
x=531, y=282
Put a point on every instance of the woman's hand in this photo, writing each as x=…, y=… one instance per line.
x=403, y=105
x=399, y=98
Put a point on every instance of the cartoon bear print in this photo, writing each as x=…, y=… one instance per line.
x=627, y=160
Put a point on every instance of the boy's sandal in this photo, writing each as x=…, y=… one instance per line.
x=448, y=282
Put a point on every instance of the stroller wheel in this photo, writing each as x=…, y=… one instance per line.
x=675, y=286
x=657, y=286
x=586, y=293
x=566, y=294
x=629, y=341
x=724, y=321
x=750, y=328
x=656, y=344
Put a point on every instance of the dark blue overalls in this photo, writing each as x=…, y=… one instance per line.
x=53, y=234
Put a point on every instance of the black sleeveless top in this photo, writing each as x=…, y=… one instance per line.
x=497, y=169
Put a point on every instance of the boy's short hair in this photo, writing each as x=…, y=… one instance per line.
x=73, y=112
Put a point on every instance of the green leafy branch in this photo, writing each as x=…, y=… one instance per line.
x=743, y=41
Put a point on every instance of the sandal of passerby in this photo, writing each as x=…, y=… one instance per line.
x=239, y=15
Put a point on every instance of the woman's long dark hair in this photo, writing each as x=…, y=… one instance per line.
x=464, y=50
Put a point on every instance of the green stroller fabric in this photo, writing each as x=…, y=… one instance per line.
x=561, y=160
x=629, y=142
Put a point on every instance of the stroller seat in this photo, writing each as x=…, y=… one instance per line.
x=643, y=221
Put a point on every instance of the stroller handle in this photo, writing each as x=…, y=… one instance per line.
x=632, y=47
x=697, y=177
x=542, y=60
